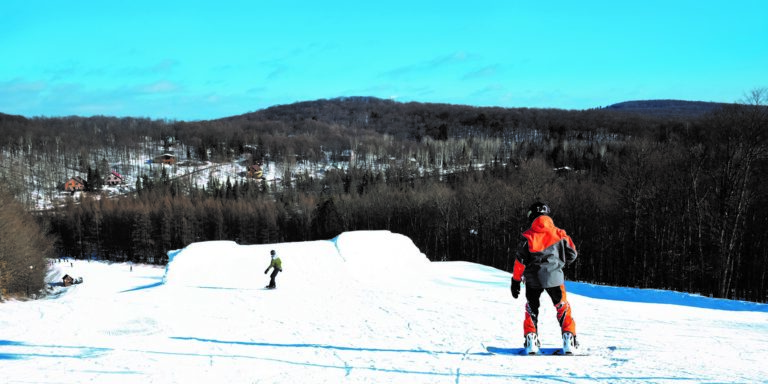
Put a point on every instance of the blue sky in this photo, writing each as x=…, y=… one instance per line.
x=198, y=60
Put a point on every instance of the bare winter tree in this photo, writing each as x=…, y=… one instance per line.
x=740, y=142
x=23, y=250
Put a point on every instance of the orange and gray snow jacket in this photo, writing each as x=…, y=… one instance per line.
x=543, y=254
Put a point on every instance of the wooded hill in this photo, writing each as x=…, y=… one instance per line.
x=667, y=108
x=652, y=199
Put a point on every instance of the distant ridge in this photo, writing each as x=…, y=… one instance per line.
x=667, y=108
x=5, y=118
x=340, y=107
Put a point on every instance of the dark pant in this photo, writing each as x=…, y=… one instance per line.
x=557, y=294
x=533, y=295
x=272, y=277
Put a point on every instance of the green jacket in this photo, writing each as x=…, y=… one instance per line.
x=276, y=263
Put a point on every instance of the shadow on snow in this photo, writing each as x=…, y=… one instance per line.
x=457, y=373
x=334, y=347
x=79, y=351
x=658, y=296
x=89, y=352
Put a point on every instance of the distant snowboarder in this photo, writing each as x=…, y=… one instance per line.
x=277, y=266
x=540, y=259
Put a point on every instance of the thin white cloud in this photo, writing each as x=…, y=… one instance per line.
x=485, y=72
x=429, y=65
x=277, y=72
x=165, y=65
x=163, y=86
x=162, y=67
x=19, y=85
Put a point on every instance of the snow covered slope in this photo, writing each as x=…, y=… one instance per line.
x=365, y=307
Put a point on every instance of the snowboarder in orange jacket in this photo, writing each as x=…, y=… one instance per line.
x=539, y=261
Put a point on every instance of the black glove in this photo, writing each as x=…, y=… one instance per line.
x=266, y=270
x=515, y=288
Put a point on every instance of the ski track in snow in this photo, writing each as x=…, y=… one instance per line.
x=366, y=307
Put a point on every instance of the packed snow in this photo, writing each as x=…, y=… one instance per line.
x=365, y=307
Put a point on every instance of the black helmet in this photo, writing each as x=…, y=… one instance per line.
x=537, y=209
x=272, y=252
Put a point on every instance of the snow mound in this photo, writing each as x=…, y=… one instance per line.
x=210, y=264
x=370, y=257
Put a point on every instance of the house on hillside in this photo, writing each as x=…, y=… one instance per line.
x=114, y=178
x=74, y=184
x=255, y=171
x=165, y=158
x=68, y=280
x=347, y=155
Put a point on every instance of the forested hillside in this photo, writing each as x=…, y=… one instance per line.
x=667, y=108
x=663, y=200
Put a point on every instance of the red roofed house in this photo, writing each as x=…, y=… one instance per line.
x=114, y=178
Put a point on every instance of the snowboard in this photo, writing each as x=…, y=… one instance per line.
x=521, y=352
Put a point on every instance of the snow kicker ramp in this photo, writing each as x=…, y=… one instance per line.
x=363, y=257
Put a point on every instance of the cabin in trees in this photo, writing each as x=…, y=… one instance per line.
x=74, y=184
x=68, y=280
x=255, y=171
x=347, y=155
x=114, y=178
x=165, y=158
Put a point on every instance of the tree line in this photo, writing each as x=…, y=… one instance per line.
x=672, y=203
